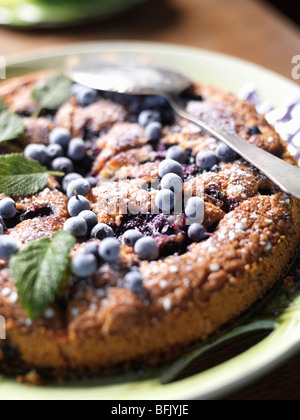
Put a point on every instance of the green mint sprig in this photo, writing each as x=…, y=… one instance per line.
x=51, y=93
x=20, y=176
x=11, y=125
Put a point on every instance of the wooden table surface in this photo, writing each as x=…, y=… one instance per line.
x=249, y=29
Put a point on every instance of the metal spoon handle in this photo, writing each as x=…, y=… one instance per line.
x=286, y=176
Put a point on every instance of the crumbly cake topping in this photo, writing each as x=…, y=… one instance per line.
x=245, y=214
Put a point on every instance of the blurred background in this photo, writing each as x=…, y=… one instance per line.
x=266, y=32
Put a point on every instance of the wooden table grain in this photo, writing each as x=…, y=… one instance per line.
x=249, y=29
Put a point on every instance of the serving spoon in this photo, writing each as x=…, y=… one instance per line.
x=117, y=72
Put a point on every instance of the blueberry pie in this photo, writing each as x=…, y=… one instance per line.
x=173, y=234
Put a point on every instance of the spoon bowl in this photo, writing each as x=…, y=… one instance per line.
x=123, y=74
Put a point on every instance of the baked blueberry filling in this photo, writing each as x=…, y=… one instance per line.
x=228, y=204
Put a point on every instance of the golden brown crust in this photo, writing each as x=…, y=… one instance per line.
x=254, y=232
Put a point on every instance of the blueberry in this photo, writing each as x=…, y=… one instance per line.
x=92, y=181
x=109, y=249
x=90, y=217
x=76, y=149
x=155, y=101
x=75, y=89
x=62, y=164
x=54, y=151
x=254, y=131
x=165, y=200
x=69, y=178
x=86, y=96
x=77, y=226
x=134, y=281
x=206, y=160
x=154, y=130
x=8, y=208
x=148, y=116
x=225, y=154
x=172, y=182
x=8, y=246
x=77, y=204
x=102, y=231
x=195, y=209
x=147, y=249
x=60, y=136
x=131, y=236
x=177, y=153
x=91, y=248
x=78, y=186
x=36, y=152
x=168, y=166
x=84, y=265
x=197, y=232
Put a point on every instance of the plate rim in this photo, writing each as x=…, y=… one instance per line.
x=285, y=350
x=61, y=49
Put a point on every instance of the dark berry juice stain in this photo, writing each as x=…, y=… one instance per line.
x=25, y=114
x=89, y=135
x=228, y=204
x=140, y=222
x=171, y=248
x=10, y=353
x=84, y=166
x=43, y=211
x=147, y=224
x=161, y=225
x=34, y=212
x=266, y=191
x=170, y=238
x=191, y=171
x=254, y=131
x=189, y=95
x=48, y=114
x=13, y=222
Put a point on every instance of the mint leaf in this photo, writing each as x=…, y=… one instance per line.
x=51, y=93
x=39, y=269
x=21, y=176
x=11, y=125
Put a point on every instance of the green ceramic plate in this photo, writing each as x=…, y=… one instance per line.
x=52, y=13
x=282, y=318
